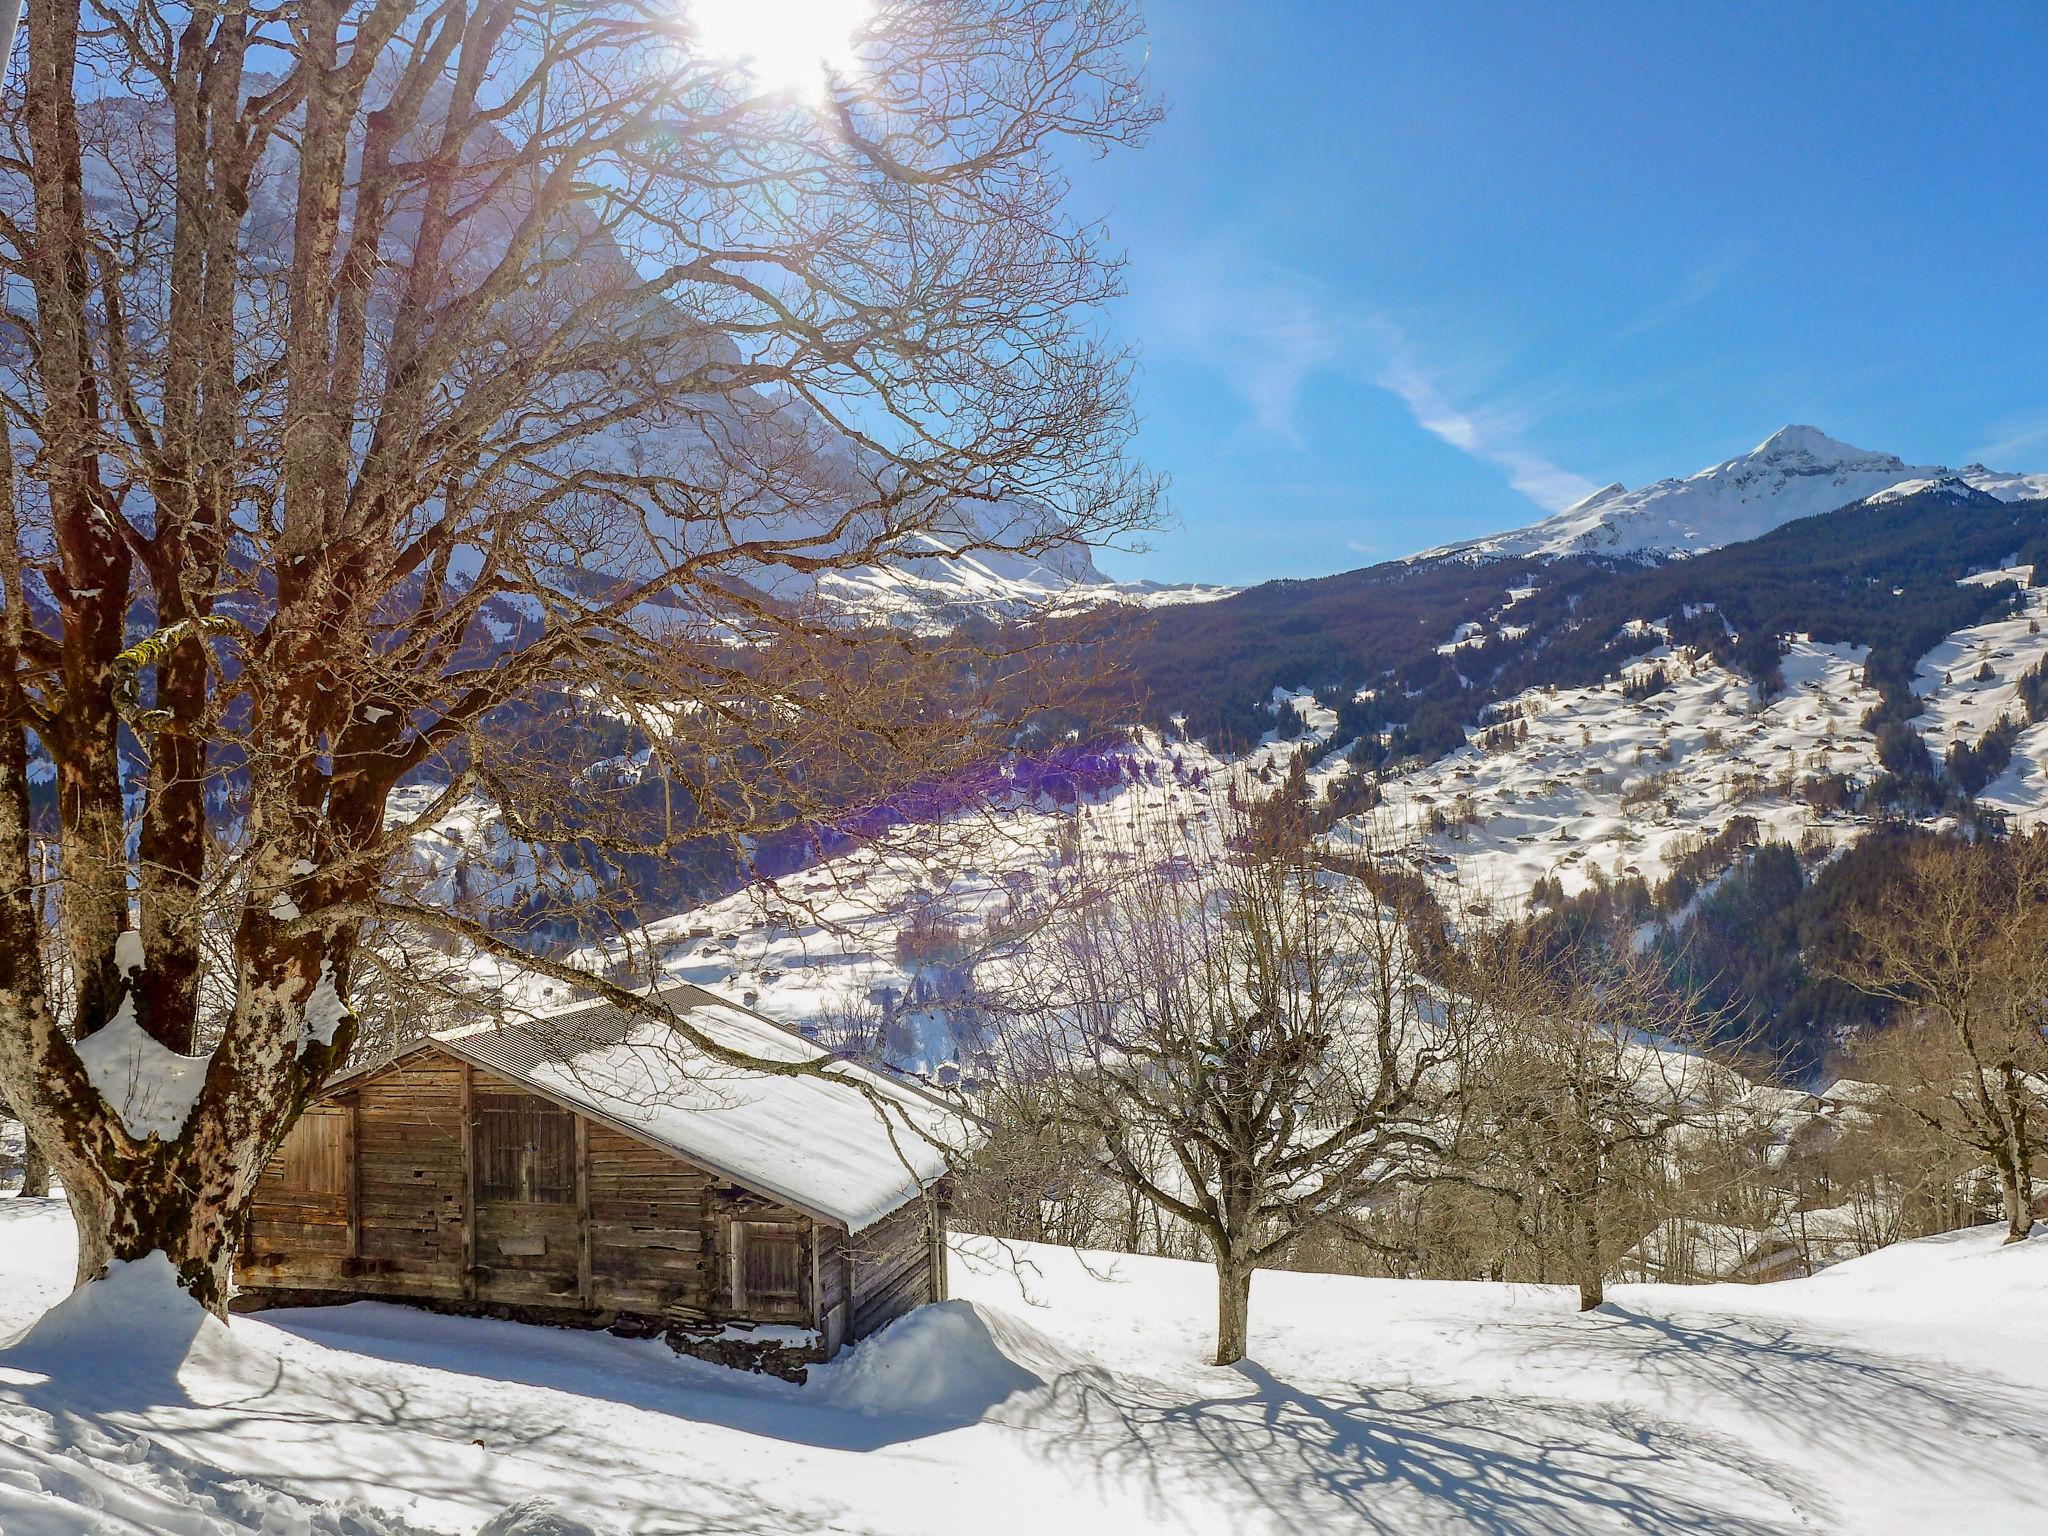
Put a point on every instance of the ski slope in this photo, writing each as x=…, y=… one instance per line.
x=1904, y=1392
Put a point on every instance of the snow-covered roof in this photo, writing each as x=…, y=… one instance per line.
x=849, y=1146
x=1705, y=1250
x=1767, y=1099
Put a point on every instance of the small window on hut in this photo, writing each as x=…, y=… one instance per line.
x=768, y=1265
x=314, y=1157
x=525, y=1150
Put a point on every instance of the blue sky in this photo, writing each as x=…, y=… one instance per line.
x=1402, y=273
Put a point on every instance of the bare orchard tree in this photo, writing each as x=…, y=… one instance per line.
x=392, y=386
x=1234, y=1033
x=1959, y=941
x=1590, y=1072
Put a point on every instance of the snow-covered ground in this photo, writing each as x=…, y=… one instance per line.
x=1905, y=1392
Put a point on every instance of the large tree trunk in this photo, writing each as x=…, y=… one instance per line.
x=1233, y=1312
x=358, y=456
x=197, y=1226
x=2017, y=1184
x=35, y=1171
x=1592, y=1281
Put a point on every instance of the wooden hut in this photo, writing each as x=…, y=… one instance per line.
x=591, y=1167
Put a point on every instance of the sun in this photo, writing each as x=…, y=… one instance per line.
x=784, y=45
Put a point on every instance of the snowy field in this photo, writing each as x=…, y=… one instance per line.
x=1905, y=1392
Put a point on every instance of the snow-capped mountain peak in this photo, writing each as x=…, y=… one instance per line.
x=1605, y=496
x=1798, y=471
x=1809, y=445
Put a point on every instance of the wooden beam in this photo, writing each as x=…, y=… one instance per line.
x=846, y=1289
x=351, y=1142
x=583, y=1281
x=468, y=1189
x=817, y=1289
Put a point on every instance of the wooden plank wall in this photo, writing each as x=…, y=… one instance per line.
x=835, y=1284
x=410, y=1164
x=302, y=1200
x=396, y=1226
x=891, y=1264
x=645, y=1234
x=648, y=1213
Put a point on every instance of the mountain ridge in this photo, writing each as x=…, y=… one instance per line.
x=1796, y=472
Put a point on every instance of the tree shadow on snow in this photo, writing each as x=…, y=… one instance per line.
x=1890, y=1408
x=1397, y=1460
x=461, y=1442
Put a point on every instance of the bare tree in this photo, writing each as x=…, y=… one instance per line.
x=1589, y=1072
x=1236, y=1034
x=397, y=386
x=1959, y=941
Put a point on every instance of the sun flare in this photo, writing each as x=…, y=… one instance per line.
x=784, y=45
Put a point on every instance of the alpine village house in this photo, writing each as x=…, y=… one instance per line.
x=590, y=1167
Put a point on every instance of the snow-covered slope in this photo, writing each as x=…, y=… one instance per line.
x=877, y=950
x=1063, y=1392
x=1795, y=472
x=949, y=583
x=1600, y=785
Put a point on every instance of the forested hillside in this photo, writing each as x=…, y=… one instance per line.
x=1433, y=642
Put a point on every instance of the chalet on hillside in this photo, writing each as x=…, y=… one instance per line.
x=591, y=1167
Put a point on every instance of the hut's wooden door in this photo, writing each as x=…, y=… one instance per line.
x=528, y=1228
x=769, y=1275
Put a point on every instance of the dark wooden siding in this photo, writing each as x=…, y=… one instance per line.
x=529, y=1226
x=892, y=1267
x=644, y=1230
x=303, y=1202
x=648, y=1211
x=835, y=1295
x=411, y=1166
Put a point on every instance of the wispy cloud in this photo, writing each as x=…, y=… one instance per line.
x=1493, y=433
x=2015, y=435
x=1694, y=289
x=1271, y=334
x=1266, y=330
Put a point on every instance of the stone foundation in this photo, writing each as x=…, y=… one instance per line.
x=769, y=1349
